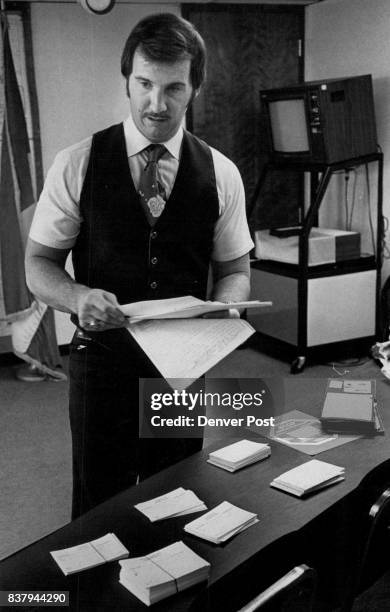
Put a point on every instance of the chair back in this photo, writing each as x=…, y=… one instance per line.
x=294, y=592
x=378, y=539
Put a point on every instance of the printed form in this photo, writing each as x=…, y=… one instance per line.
x=187, y=348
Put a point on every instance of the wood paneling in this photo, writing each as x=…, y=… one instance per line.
x=249, y=48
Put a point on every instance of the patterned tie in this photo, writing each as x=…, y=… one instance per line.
x=151, y=191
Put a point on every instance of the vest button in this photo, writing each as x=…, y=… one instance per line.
x=153, y=235
x=153, y=285
x=154, y=260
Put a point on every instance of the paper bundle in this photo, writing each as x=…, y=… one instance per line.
x=221, y=523
x=176, y=503
x=309, y=477
x=350, y=407
x=239, y=454
x=163, y=573
x=90, y=554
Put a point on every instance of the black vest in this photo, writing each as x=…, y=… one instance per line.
x=119, y=252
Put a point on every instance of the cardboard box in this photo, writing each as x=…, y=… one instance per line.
x=325, y=246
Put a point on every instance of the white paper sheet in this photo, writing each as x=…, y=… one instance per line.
x=187, y=348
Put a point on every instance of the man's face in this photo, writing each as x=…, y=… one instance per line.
x=159, y=95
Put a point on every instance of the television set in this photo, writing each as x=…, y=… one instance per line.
x=324, y=122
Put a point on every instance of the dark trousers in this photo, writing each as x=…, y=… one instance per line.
x=107, y=454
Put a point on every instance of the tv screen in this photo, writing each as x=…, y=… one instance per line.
x=289, y=126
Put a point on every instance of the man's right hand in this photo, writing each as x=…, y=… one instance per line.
x=99, y=310
x=47, y=278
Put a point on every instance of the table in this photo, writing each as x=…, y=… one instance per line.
x=278, y=539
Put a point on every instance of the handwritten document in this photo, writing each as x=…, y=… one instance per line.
x=187, y=348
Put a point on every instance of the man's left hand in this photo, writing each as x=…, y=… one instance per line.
x=229, y=313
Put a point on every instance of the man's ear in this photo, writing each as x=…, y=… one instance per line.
x=194, y=94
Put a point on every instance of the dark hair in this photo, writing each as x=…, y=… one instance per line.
x=165, y=37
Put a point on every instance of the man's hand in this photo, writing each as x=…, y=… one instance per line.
x=99, y=310
x=47, y=278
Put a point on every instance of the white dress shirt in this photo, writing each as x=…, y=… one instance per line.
x=57, y=217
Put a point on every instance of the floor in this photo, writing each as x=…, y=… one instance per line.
x=35, y=470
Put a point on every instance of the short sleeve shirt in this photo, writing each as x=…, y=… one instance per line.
x=57, y=217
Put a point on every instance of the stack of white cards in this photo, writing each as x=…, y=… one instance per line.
x=90, y=554
x=163, y=573
x=221, y=523
x=309, y=477
x=176, y=503
x=239, y=454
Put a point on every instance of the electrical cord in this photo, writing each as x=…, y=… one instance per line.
x=349, y=213
x=346, y=182
x=369, y=206
x=352, y=362
x=349, y=227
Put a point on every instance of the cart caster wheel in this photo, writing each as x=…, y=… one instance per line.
x=298, y=365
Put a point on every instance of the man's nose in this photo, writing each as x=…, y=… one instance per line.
x=157, y=102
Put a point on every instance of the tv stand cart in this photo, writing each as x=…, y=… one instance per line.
x=325, y=310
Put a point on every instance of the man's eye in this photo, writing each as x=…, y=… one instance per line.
x=145, y=84
x=175, y=88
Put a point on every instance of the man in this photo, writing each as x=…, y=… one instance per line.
x=145, y=234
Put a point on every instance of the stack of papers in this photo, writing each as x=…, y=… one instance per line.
x=350, y=407
x=176, y=503
x=163, y=573
x=239, y=454
x=186, y=307
x=221, y=523
x=179, y=343
x=309, y=477
x=90, y=554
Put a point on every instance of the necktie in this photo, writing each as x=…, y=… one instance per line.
x=151, y=191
